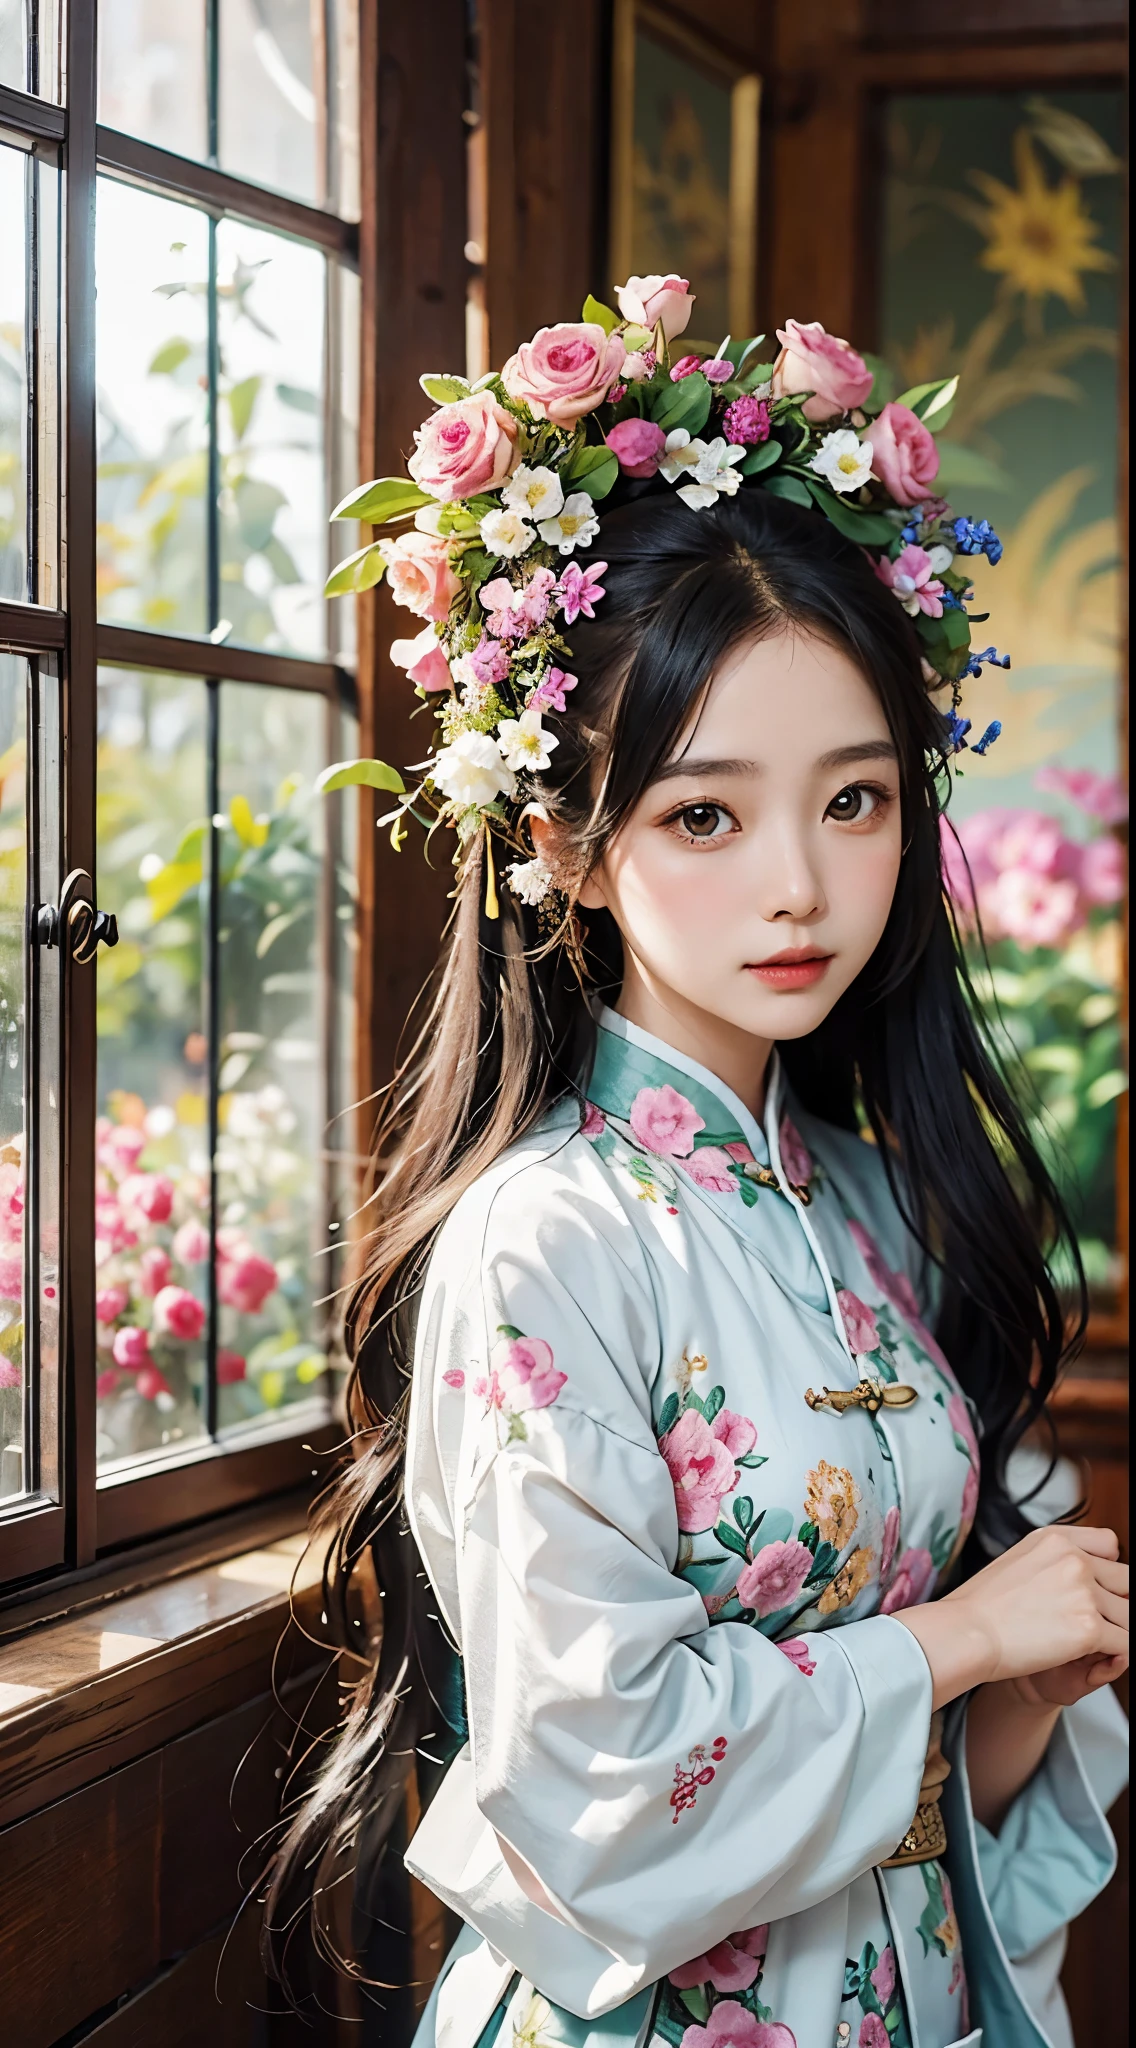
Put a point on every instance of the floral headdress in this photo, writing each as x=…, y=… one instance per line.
x=506, y=482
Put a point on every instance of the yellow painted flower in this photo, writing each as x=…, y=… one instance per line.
x=851, y=1579
x=831, y=1501
x=1039, y=236
x=529, y=2024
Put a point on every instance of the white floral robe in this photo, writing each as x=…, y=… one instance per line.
x=694, y=1731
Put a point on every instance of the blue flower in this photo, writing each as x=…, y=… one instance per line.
x=949, y=601
x=977, y=537
x=992, y=732
x=957, y=729
x=910, y=533
x=989, y=654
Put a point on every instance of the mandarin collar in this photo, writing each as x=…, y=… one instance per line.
x=629, y=1059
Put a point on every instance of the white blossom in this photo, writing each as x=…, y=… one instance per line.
x=574, y=525
x=707, y=464
x=505, y=533
x=941, y=559
x=534, y=493
x=524, y=743
x=531, y=880
x=427, y=519
x=470, y=771
x=843, y=460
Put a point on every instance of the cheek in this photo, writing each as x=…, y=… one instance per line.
x=861, y=881
x=667, y=898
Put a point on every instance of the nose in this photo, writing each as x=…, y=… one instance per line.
x=789, y=885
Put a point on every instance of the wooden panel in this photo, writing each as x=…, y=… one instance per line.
x=215, y=1994
x=906, y=20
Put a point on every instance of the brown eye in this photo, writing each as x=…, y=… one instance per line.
x=702, y=820
x=852, y=804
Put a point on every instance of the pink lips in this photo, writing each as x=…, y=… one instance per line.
x=792, y=969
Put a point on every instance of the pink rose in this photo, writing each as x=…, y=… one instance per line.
x=178, y=1313
x=525, y=1373
x=796, y=1650
x=1103, y=870
x=913, y=1582
x=120, y=1147
x=148, y=1194
x=887, y=1547
x=419, y=573
x=191, y=1244
x=11, y=1274
x=1031, y=908
x=873, y=2033
x=775, y=1576
x=245, y=1283
x=231, y=1367
x=794, y=1155
x=423, y=660
x=665, y=1122
x=883, y=1976
x=701, y=1468
x=155, y=1271
x=904, y=455
x=811, y=360
x=737, y=1432
x=709, y=1168
x=466, y=447
x=644, y=301
x=1100, y=796
x=131, y=1348
x=639, y=445
x=731, y=1965
x=564, y=371
x=910, y=578
x=9, y=1373
x=111, y=1227
x=859, y=1323
x=153, y=1385
x=110, y=1303
x=731, y=2025
x=593, y=1124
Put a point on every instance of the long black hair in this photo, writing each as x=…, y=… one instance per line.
x=508, y=1030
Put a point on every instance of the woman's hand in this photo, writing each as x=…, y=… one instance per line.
x=1052, y=1610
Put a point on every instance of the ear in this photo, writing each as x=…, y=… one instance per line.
x=547, y=842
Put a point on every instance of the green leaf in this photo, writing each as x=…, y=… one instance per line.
x=593, y=470
x=824, y=1564
x=729, y=1538
x=761, y=458
x=696, y=2002
x=964, y=469
x=757, y=375
x=669, y=1415
x=751, y=1460
x=925, y=400
x=715, y=1400
x=389, y=497
x=510, y=1331
x=257, y=505
x=361, y=571
x=170, y=357
x=601, y=315
x=359, y=774
x=809, y=1535
x=871, y=529
x=956, y=628
x=792, y=487
x=685, y=404
x=242, y=397
x=444, y=390
x=298, y=397
x=743, y=1511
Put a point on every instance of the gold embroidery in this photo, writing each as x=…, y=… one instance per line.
x=926, y=1838
x=868, y=1394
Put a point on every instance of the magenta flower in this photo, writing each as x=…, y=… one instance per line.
x=888, y=1546
x=746, y=421
x=110, y=1303
x=579, y=590
x=150, y=1195
x=794, y=1154
x=730, y=2025
x=873, y=2033
x=775, y=1577
x=156, y=1269
x=105, y=1384
x=731, y=1965
x=638, y=445
x=514, y=613
x=913, y=1582
x=9, y=1373
x=246, y=1281
x=709, y=1167
x=154, y=1386
x=231, y=1367
x=685, y=367
x=859, y=1323
x=718, y=370
x=1099, y=796
x=551, y=695
x=909, y=576
x=1103, y=870
x=131, y=1348
x=796, y=1650
x=178, y=1313
x=701, y=1468
x=665, y=1122
x=524, y=1373
x=593, y=1124
x=737, y=1432
x=489, y=660
x=454, y=1378
x=191, y=1244
x=883, y=1976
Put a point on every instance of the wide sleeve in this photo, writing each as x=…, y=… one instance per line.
x=668, y=1782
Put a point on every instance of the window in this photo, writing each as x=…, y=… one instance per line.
x=176, y=904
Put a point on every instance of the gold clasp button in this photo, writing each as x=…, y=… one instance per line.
x=871, y=1395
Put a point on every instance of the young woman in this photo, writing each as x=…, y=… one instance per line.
x=709, y=1289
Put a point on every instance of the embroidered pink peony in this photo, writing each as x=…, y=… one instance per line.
x=883, y=1976
x=419, y=574
x=701, y=1468
x=178, y=1313
x=794, y=1156
x=859, y=1323
x=580, y=590
x=737, y=1432
x=731, y=2025
x=644, y=301
x=709, y=1167
x=888, y=1545
x=148, y=1194
x=593, y=1124
x=564, y=371
x=423, y=660
x=639, y=446
x=904, y=455
x=231, y=1367
x=775, y=1576
x=873, y=2033
x=797, y=1651
x=731, y=1965
x=525, y=1374
x=246, y=1281
x=131, y=1348
x=822, y=364
x=665, y=1122
x=156, y=1269
x=110, y=1303
x=463, y=448
x=913, y=1582
x=191, y=1244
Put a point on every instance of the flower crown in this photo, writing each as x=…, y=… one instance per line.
x=505, y=484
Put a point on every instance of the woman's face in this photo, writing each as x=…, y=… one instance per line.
x=754, y=878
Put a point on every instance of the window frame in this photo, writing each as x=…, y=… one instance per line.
x=94, y=1515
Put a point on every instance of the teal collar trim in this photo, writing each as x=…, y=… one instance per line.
x=629, y=1060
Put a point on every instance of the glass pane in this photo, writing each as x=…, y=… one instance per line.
x=13, y=377
x=273, y=513
x=344, y=100
x=46, y=976
x=152, y=1190
x=1002, y=287
x=152, y=71
x=343, y=536
x=272, y=72
x=13, y=44
x=272, y=1179
x=13, y=836
x=152, y=268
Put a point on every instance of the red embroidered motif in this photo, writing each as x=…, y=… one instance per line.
x=701, y=1771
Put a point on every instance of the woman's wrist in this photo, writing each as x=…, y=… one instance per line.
x=959, y=1651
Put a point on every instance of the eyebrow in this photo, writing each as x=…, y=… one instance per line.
x=837, y=757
